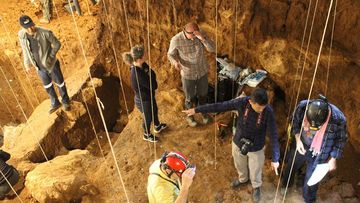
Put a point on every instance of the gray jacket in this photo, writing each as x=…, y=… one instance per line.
x=49, y=45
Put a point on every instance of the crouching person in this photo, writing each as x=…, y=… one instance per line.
x=8, y=174
x=170, y=179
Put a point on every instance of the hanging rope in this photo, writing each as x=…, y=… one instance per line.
x=292, y=96
x=331, y=43
x=97, y=138
x=216, y=79
x=7, y=107
x=23, y=112
x=12, y=188
x=98, y=104
x=15, y=70
x=116, y=60
x=136, y=75
x=310, y=91
x=151, y=87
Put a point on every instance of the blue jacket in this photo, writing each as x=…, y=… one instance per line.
x=335, y=134
x=249, y=127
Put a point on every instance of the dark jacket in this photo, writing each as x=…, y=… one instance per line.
x=6, y=169
x=335, y=134
x=249, y=127
x=140, y=82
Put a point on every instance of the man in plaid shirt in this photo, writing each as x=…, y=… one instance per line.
x=187, y=54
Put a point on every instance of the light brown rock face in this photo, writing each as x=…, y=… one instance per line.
x=63, y=179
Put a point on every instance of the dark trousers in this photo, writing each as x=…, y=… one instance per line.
x=309, y=192
x=13, y=179
x=146, y=109
x=195, y=90
x=54, y=75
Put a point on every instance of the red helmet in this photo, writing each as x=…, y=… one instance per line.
x=175, y=161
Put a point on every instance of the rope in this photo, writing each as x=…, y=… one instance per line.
x=216, y=79
x=136, y=75
x=292, y=96
x=331, y=43
x=151, y=88
x=97, y=138
x=116, y=61
x=98, y=104
x=12, y=188
x=22, y=111
x=310, y=91
x=7, y=107
x=17, y=73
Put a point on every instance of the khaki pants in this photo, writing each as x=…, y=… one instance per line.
x=252, y=163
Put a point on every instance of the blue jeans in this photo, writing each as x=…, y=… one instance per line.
x=309, y=192
x=54, y=75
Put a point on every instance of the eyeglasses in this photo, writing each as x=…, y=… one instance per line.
x=190, y=33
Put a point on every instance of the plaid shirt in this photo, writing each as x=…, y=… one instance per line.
x=190, y=54
x=335, y=134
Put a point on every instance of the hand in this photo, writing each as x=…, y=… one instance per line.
x=300, y=147
x=275, y=166
x=187, y=177
x=189, y=112
x=332, y=164
x=199, y=35
x=178, y=65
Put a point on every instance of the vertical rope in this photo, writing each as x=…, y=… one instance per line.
x=216, y=79
x=331, y=43
x=151, y=87
x=292, y=96
x=16, y=72
x=310, y=91
x=23, y=112
x=116, y=60
x=12, y=188
x=99, y=106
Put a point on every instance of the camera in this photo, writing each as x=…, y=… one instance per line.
x=244, y=145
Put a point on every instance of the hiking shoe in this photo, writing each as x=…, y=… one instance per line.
x=256, y=195
x=206, y=118
x=160, y=127
x=54, y=108
x=236, y=183
x=150, y=138
x=66, y=106
x=191, y=121
x=44, y=21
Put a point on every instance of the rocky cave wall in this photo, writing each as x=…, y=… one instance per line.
x=268, y=36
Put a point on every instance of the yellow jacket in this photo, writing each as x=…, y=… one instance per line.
x=160, y=188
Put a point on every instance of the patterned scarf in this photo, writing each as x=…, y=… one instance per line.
x=319, y=135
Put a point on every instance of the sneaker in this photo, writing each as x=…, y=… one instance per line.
x=206, y=118
x=54, y=108
x=236, y=183
x=160, y=127
x=256, y=195
x=191, y=121
x=44, y=21
x=66, y=106
x=150, y=138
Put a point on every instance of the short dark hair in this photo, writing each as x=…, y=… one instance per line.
x=259, y=96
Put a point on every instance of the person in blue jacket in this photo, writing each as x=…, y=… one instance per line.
x=320, y=136
x=143, y=83
x=256, y=118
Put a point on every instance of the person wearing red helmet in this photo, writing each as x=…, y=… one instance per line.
x=170, y=178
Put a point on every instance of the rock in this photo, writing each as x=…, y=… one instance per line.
x=347, y=190
x=62, y=179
